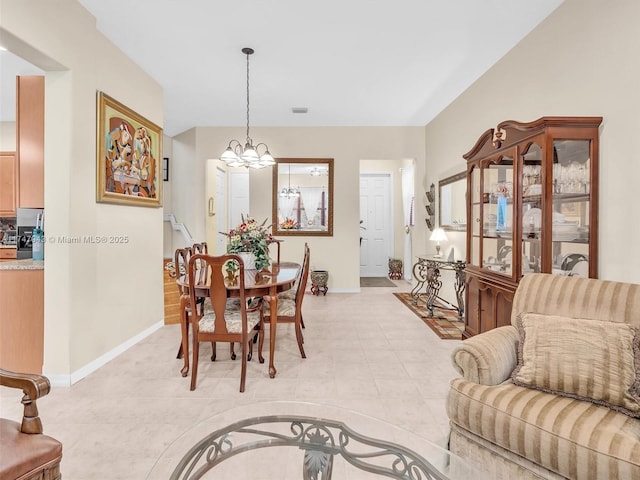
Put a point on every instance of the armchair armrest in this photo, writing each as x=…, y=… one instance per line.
x=34, y=387
x=488, y=358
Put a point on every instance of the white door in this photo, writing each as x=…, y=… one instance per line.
x=375, y=213
x=238, y=196
x=221, y=210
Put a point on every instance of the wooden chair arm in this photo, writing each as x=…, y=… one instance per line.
x=33, y=386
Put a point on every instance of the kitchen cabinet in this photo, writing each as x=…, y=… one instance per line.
x=22, y=316
x=8, y=184
x=30, y=140
x=532, y=205
x=8, y=253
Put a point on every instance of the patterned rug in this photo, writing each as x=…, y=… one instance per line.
x=376, y=282
x=444, y=323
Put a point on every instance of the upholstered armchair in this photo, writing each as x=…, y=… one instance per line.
x=27, y=454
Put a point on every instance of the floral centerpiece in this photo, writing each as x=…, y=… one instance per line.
x=251, y=237
x=289, y=224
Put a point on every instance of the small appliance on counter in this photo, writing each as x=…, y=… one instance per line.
x=26, y=221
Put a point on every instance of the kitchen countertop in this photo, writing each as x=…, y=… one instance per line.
x=7, y=246
x=26, y=264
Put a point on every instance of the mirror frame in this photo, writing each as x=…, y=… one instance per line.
x=442, y=183
x=276, y=231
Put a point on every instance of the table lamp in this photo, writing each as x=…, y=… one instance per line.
x=438, y=236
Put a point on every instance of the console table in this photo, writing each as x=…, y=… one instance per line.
x=427, y=272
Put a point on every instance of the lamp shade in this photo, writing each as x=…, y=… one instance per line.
x=438, y=235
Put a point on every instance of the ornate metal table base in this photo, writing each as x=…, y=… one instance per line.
x=427, y=272
x=320, y=439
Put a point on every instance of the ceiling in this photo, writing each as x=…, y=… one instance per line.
x=350, y=62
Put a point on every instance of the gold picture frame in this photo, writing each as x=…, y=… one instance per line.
x=129, y=156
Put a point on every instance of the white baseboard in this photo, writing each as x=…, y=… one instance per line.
x=344, y=290
x=58, y=380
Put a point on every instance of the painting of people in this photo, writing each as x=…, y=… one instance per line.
x=129, y=149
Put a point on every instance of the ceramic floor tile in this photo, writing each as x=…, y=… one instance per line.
x=365, y=354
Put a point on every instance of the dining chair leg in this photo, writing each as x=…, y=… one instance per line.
x=261, y=339
x=260, y=342
x=194, y=367
x=232, y=351
x=302, y=321
x=300, y=339
x=243, y=374
x=213, y=351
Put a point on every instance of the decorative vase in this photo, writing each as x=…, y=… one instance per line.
x=319, y=279
x=249, y=260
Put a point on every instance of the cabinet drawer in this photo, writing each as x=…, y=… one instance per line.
x=8, y=253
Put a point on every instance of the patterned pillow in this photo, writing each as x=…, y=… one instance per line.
x=588, y=360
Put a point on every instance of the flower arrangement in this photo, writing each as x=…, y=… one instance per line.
x=251, y=237
x=289, y=224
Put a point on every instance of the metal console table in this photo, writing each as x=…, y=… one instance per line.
x=427, y=272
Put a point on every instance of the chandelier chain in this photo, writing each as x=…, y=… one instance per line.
x=248, y=98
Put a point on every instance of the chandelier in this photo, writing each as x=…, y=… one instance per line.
x=248, y=156
x=288, y=192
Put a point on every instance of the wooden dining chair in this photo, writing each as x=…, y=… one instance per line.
x=26, y=453
x=181, y=259
x=201, y=248
x=291, y=293
x=290, y=311
x=231, y=319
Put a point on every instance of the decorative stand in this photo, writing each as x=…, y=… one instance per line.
x=319, y=279
x=427, y=271
x=395, y=268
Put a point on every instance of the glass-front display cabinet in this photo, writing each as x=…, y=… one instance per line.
x=532, y=207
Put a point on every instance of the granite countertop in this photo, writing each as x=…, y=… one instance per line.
x=7, y=246
x=26, y=264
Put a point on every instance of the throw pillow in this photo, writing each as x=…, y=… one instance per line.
x=588, y=360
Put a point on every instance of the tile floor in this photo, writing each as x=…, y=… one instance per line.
x=366, y=352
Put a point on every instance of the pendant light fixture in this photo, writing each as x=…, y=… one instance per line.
x=288, y=192
x=248, y=156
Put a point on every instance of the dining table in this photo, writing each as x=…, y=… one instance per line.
x=277, y=278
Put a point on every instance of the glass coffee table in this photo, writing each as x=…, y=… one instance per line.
x=305, y=441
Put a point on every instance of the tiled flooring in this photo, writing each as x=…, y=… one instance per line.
x=366, y=352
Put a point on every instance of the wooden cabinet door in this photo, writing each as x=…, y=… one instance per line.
x=30, y=136
x=8, y=193
x=488, y=305
x=472, y=307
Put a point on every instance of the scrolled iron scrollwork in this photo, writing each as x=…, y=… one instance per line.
x=317, y=438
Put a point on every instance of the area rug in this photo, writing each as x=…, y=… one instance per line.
x=444, y=323
x=376, y=282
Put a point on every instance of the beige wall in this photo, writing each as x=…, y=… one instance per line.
x=97, y=297
x=347, y=145
x=580, y=61
x=7, y=136
x=167, y=191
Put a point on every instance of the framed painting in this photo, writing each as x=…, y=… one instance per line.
x=129, y=156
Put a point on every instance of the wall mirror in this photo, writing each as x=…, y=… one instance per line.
x=453, y=204
x=303, y=196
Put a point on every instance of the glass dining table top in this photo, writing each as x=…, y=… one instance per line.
x=299, y=440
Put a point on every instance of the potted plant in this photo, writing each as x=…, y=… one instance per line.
x=250, y=241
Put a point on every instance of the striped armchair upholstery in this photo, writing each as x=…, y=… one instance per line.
x=518, y=432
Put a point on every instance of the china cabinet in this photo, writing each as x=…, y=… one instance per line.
x=532, y=204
